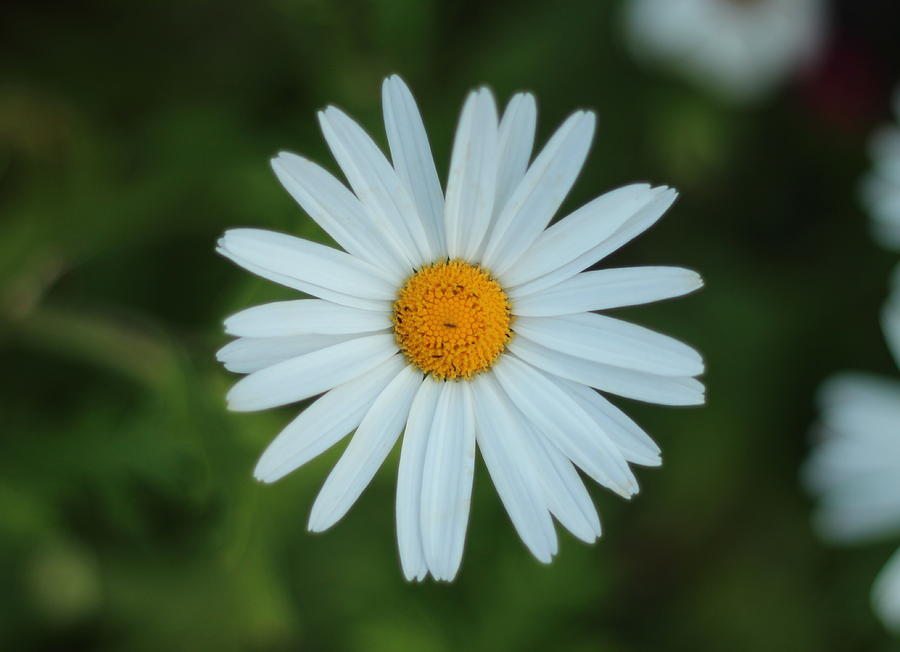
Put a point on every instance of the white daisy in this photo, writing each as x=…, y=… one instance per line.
x=855, y=468
x=459, y=319
x=881, y=187
x=739, y=48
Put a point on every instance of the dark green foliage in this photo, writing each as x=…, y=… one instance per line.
x=132, y=134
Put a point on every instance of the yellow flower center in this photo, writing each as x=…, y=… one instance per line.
x=452, y=320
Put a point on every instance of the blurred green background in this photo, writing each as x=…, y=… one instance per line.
x=133, y=133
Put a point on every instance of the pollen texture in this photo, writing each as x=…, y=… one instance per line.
x=452, y=320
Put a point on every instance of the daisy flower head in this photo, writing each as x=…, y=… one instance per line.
x=855, y=468
x=881, y=186
x=459, y=319
x=740, y=49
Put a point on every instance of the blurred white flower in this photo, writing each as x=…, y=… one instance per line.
x=890, y=317
x=881, y=186
x=461, y=319
x=740, y=49
x=886, y=593
x=855, y=468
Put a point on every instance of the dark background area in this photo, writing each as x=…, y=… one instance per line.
x=132, y=134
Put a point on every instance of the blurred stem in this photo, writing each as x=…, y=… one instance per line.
x=98, y=339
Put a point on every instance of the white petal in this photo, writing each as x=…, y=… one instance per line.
x=304, y=316
x=510, y=463
x=539, y=195
x=472, y=179
x=886, y=593
x=447, y=480
x=664, y=390
x=563, y=493
x=248, y=354
x=377, y=305
x=325, y=422
x=561, y=256
x=635, y=444
x=609, y=288
x=409, y=479
x=338, y=212
x=307, y=375
x=578, y=233
x=412, y=157
x=366, y=451
x=306, y=263
x=567, y=498
x=565, y=424
x=514, y=146
x=612, y=341
x=377, y=184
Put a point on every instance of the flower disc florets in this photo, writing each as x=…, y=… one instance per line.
x=452, y=320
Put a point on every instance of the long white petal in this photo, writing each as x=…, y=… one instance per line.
x=376, y=183
x=514, y=146
x=304, y=316
x=307, y=262
x=886, y=593
x=325, y=422
x=370, y=445
x=612, y=341
x=609, y=426
x=580, y=231
x=567, y=498
x=629, y=437
x=500, y=439
x=559, y=417
x=609, y=288
x=378, y=305
x=472, y=180
x=447, y=480
x=409, y=479
x=338, y=212
x=307, y=375
x=540, y=193
x=248, y=354
x=568, y=265
x=561, y=490
x=664, y=390
x=412, y=158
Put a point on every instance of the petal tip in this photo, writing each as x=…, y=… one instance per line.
x=394, y=80
x=264, y=475
x=315, y=523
